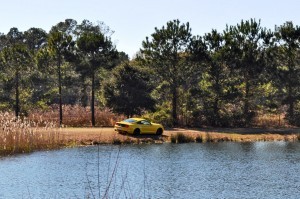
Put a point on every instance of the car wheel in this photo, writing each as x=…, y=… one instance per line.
x=159, y=131
x=136, y=131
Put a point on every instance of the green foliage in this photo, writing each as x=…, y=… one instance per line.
x=15, y=61
x=287, y=75
x=95, y=51
x=167, y=53
x=60, y=45
x=128, y=91
x=161, y=115
x=220, y=79
x=215, y=82
x=35, y=39
x=245, y=44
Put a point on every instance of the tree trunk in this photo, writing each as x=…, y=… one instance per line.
x=290, y=89
x=17, y=108
x=84, y=97
x=216, y=112
x=291, y=109
x=93, y=100
x=290, y=101
x=174, y=106
x=59, y=92
x=246, y=101
x=216, y=101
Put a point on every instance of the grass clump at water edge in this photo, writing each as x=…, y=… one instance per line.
x=181, y=138
x=199, y=138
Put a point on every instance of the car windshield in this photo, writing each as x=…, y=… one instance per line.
x=145, y=122
x=130, y=120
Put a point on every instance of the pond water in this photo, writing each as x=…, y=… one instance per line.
x=211, y=170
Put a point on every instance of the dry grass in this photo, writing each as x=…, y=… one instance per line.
x=40, y=132
x=200, y=136
x=270, y=120
x=21, y=135
x=105, y=135
x=90, y=136
x=76, y=116
x=182, y=138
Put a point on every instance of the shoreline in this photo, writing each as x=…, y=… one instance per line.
x=57, y=138
x=107, y=135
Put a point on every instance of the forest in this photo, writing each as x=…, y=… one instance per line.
x=230, y=78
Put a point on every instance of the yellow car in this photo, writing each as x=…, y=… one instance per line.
x=138, y=126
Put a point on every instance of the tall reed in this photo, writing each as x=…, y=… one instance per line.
x=21, y=135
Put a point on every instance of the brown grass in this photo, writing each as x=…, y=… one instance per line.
x=270, y=120
x=105, y=135
x=90, y=136
x=39, y=132
x=21, y=135
x=182, y=138
x=76, y=116
x=235, y=135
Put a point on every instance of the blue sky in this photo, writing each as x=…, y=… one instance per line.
x=133, y=20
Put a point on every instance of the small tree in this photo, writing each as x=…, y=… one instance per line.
x=166, y=53
x=95, y=51
x=217, y=76
x=15, y=58
x=128, y=91
x=288, y=65
x=246, y=43
x=60, y=43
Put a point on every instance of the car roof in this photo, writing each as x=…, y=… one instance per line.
x=137, y=119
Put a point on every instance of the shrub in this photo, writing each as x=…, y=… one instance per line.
x=267, y=120
x=181, y=138
x=199, y=139
x=208, y=137
x=116, y=141
x=161, y=115
x=295, y=119
x=173, y=138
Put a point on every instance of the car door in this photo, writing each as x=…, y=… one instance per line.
x=146, y=126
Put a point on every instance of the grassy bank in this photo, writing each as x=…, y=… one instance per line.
x=90, y=136
x=231, y=137
x=22, y=135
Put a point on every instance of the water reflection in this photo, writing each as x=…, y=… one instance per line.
x=211, y=170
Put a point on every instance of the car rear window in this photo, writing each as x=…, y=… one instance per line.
x=130, y=120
